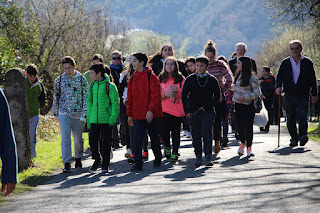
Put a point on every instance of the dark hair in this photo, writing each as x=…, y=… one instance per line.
x=98, y=57
x=32, y=69
x=190, y=59
x=234, y=54
x=204, y=59
x=210, y=47
x=266, y=68
x=141, y=57
x=68, y=60
x=223, y=58
x=245, y=72
x=99, y=68
x=164, y=75
x=116, y=52
x=158, y=55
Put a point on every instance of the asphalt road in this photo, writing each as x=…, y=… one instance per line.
x=275, y=180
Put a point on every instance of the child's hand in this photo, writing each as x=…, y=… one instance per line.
x=168, y=94
x=130, y=123
x=149, y=116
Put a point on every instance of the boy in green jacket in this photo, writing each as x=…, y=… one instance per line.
x=102, y=113
x=36, y=99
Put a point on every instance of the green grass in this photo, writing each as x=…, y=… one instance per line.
x=48, y=160
x=314, y=131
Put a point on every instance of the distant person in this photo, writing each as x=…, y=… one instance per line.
x=267, y=84
x=246, y=90
x=221, y=71
x=200, y=93
x=144, y=109
x=8, y=150
x=102, y=114
x=171, y=82
x=70, y=106
x=97, y=58
x=240, y=50
x=298, y=78
x=156, y=60
x=36, y=98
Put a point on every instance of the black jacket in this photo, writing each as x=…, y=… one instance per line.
x=306, y=82
x=268, y=87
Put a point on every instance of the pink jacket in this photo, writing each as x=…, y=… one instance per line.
x=169, y=105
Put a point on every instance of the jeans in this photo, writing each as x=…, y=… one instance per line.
x=244, y=116
x=140, y=128
x=171, y=124
x=102, y=132
x=33, y=124
x=297, y=106
x=202, y=129
x=68, y=125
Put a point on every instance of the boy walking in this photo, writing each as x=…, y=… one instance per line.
x=36, y=99
x=201, y=92
x=70, y=106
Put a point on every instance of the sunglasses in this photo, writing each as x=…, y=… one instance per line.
x=116, y=58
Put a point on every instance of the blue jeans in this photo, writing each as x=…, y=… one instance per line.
x=297, y=106
x=33, y=124
x=202, y=129
x=68, y=125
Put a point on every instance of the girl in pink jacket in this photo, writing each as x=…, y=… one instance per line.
x=171, y=81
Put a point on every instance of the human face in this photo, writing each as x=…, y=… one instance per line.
x=201, y=67
x=68, y=69
x=31, y=78
x=211, y=57
x=137, y=65
x=296, y=50
x=263, y=72
x=240, y=50
x=167, y=51
x=191, y=66
x=116, y=59
x=170, y=66
x=94, y=76
x=239, y=65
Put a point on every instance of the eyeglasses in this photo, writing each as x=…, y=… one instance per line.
x=116, y=58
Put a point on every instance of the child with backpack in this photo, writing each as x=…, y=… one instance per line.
x=144, y=109
x=102, y=114
x=171, y=82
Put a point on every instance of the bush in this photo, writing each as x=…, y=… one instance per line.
x=48, y=128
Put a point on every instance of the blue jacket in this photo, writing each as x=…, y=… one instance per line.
x=307, y=80
x=8, y=148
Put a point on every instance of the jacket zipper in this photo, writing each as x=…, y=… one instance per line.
x=98, y=104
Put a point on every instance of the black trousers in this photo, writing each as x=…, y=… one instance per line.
x=171, y=124
x=244, y=117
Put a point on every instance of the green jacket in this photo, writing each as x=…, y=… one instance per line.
x=35, y=97
x=102, y=108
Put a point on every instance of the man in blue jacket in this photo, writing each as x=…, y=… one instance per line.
x=298, y=78
x=8, y=148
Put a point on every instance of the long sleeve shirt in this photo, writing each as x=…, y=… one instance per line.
x=221, y=71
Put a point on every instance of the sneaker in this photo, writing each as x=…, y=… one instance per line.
x=208, y=161
x=104, y=169
x=131, y=159
x=67, y=168
x=95, y=166
x=128, y=153
x=189, y=135
x=224, y=142
x=241, y=148
x=184, y=133
x=78, y=163
x=198, y=161
x=174, y=157
x=136, y=168
x=167, y=152
x=249, y=152
x=145, y=156
x=216, y=148
x=293, y=143
x=237, y=136
x=303, y=140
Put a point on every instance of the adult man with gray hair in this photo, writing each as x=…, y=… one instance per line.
x=298, y=78
x=240, y=49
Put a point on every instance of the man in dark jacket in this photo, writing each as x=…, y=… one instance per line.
x=8, y=148
x=298, y=78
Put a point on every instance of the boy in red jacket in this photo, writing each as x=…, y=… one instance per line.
x=144, y=109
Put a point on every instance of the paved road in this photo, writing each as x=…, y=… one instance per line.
x=275, y=180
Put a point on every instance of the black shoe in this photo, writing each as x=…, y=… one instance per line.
x=131, y=159
x=261, y=129
x=224, y=142
x=208, y=161
x=303, y=140
x=136, y=168
x=237, y=135
x=293, y=143
x=78, y=163
x=266, y=130
x=67, y=168
x=156, y=163
x=104, y=169
x=95, y=166
x=198, y=161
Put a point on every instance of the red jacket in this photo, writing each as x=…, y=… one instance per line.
x=144, y=96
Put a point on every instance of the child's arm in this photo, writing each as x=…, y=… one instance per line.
x=129, y=98
x=84, y=87
x=184, y=96
x=115, y=104
x=155, y=94
x=179, y=89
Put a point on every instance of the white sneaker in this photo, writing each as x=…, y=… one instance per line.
x=185, y=133
x=111, y=154
x=189, y=135
x=128, y=153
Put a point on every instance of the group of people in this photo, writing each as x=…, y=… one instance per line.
x=152, y=96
